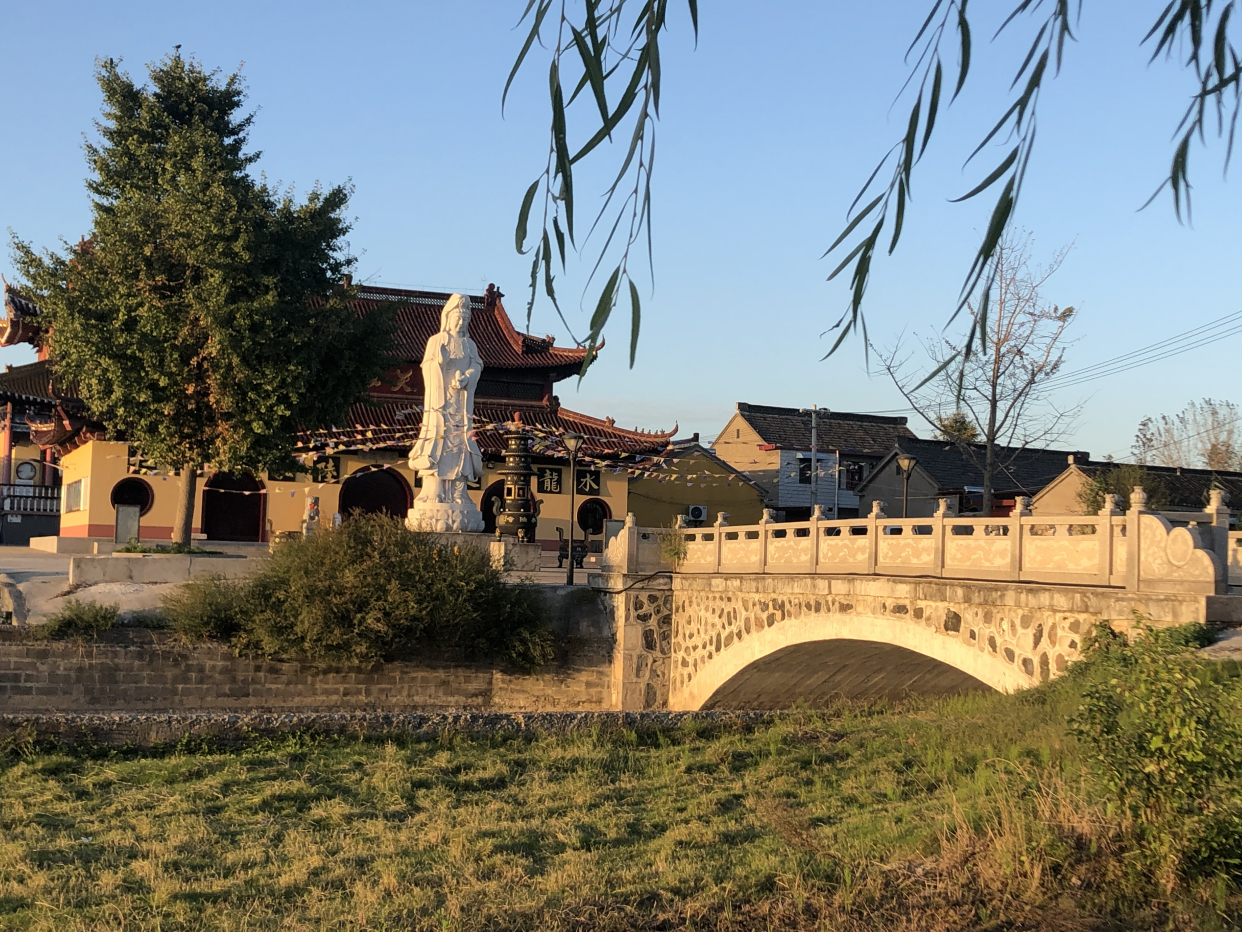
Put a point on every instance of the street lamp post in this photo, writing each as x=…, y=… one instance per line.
x=906, y=463
x=572, y=444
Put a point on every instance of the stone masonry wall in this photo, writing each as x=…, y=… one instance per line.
x=642, y=617
x=140, y=671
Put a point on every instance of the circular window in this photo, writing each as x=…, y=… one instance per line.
x=133, y=491
x=26, y=470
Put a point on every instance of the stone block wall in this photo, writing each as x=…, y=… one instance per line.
x=137, y=671
x=642, y=617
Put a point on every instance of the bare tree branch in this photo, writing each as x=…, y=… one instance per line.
x=998, y=396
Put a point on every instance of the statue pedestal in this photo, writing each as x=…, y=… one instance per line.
x=514, y=556
x=444, y=517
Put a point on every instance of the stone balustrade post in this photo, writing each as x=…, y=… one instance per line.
x=768, y=517
x=944, y=509
x=1134, y=543
x=1218, y=508
x=630, y=530
x=873, y=533
x=1021, y=509
x=817, y=515
x=1104, y=534
x=722, y=522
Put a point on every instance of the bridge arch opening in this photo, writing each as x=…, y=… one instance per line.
x=820, y=672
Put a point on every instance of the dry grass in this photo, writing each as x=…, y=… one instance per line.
x=963, y=814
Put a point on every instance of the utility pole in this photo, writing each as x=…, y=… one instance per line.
x=814, y=411
x=836, y=486
x=572, y=443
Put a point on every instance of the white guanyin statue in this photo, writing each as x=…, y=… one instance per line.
x=445, y=454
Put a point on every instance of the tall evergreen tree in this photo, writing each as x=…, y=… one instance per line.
x=204, y=319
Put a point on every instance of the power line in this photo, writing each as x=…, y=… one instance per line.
x=1215, y=338
x=1175, y=345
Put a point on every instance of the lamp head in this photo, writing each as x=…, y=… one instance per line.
x=907, y=463
x=572, y=442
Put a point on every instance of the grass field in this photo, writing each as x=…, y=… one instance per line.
x=969, y=813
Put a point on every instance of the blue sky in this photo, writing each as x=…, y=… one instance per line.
x=768, y=128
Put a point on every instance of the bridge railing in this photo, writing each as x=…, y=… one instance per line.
x=1198, y=555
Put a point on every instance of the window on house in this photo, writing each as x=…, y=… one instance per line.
x=804, y=472
x=739, y=434
x=74, y=495
x=852, y=475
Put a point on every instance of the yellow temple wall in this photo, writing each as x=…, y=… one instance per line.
x=100, y=465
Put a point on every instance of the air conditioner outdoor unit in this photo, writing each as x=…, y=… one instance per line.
x=697, y=513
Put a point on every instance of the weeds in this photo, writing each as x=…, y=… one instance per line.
x=79, y=619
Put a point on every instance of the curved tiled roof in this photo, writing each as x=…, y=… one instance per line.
x=501, y=345
x=33, y=380
x=390, y=425
x=19, y=324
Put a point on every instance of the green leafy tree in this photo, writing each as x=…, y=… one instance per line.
x=957, y=427
x=1121, y=480
x=606, y=57
x=204, y=319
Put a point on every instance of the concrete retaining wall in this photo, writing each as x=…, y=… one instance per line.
x=142, y=670
x=155, y=568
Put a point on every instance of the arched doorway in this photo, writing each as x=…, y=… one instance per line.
x=133, y=491
x=375, y=490
x=592, y=514
x=493, y=498
x=131, y=498
x=233, y=507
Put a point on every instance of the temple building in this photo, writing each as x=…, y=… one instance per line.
x=107, y=494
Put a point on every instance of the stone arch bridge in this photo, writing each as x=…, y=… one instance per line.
x=768, y=615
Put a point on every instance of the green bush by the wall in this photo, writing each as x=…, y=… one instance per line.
x=1163, y=729
x=368, y=590
x=80, y=619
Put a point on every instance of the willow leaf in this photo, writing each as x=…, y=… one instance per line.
x=933, y=105
x=963, y=29
x=519, y=235
x=991, y=179
x=853, y=224
x=530, y=39
x=635, y=320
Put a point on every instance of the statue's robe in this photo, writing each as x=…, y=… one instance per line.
x=446, y=446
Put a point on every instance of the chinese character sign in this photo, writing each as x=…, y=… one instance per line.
x=549, y=479
x=587, y=482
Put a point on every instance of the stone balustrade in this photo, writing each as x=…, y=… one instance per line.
x=1185, y=552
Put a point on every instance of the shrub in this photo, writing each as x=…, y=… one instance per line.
x=80, y=619
x=368, y=590
x=1164, y=734
x=1121, y=480
x=207, y=608
x=673, y=547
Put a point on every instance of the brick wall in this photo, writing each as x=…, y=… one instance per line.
x=138, y=670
